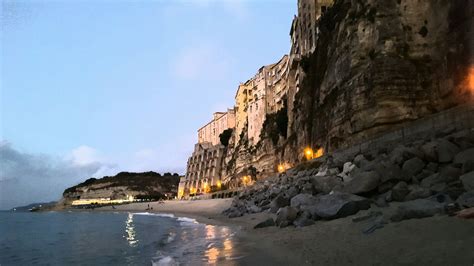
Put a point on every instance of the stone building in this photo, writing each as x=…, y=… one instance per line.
x=220, y=122
x=257, y=104
x=203, y=170
x=277, y=85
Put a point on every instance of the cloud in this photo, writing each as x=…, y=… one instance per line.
x=27, y=178
x=84, y=155
x=201, y=61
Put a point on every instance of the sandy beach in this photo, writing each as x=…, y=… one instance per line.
x=439, y=240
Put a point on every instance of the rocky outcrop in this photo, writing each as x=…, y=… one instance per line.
x=423, y=186
x=147, y=185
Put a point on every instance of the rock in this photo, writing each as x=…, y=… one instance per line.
x=431, y=180
x=362, y=182
x=307, y=188
x=337, y=205
x=466, y=199
x=359, y=159
x=254, y=209
x=419, y=208
x=450, y=173
x=429, y=151
x=400, y=191
x=468, y=166
x=303, y=220
x=302, y=200
x=267, y=223
x=464, y=156
x=402, y=153
x=286, y=216
x=325, y=184
x=347, y=168
x=391, y=172
x=367, y=216
x=234, y=213
x=432, y=167
x=279, y=202
x=439, y=187
x=417, y=192
x=446, y=151
x=291, y=192
x=413, y=166
x=468, y=181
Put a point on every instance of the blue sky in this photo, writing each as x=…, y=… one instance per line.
x=124, y=85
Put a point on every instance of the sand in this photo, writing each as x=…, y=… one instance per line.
x=439, y=240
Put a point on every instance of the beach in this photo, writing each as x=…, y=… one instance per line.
x=438, y=240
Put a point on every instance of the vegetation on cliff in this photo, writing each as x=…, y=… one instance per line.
x=150, y=184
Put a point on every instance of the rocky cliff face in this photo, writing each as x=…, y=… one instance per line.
x=122, y=185
x=377, y=65
x=381, y=63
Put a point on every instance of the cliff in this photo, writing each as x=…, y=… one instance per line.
x=377, y=65
x=147, y=185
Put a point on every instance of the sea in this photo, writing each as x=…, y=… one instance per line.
x=108, y=238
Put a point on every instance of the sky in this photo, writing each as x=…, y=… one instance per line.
x=92, y=88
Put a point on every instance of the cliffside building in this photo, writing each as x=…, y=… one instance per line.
x=242, y=98
x=220, y=122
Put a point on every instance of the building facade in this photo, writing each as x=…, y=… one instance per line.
x=242, y=98
x=203, y=170
x=220, y=122
x=277, y=85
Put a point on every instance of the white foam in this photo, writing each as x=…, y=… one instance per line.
x=167, y=215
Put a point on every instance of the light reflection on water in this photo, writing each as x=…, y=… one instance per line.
x=130, y=230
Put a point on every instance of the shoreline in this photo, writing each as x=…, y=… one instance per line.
x=438, y=240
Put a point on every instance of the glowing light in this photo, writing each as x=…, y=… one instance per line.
x=470, y=79
x=308, y=153
x=219, y=184
x=319, y=153
x=281, y=168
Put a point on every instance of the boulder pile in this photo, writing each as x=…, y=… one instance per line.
x=428, y=176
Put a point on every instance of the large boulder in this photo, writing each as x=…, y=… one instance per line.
x=325, y=184
x=391, y=172
x=400, y=191
x=302, y=200
x=417, y=192
x=413, y=166
x=430, y=151
x=450, y=173
x=446, y=151
x=419, y=208
x=267, y=223
x=286, y=216
x=464, y=156
x=362, y=182
x=279, y=202
x=468, y=181
x=337, y=205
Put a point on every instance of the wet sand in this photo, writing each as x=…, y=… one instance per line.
x=439, y=240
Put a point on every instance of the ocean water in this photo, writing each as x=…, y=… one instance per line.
x=106, y=238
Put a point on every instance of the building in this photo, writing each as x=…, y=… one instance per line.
x=220, y=122
x=203, y=170
x=256, y=111
x=242, y=98
x=204, y=165
x=277, y=85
